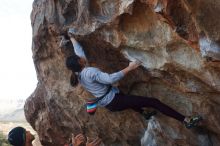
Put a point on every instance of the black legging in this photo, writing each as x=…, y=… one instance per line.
x=122, y=102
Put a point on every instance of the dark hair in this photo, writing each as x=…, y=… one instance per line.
x=72, y=63
x=74, y=79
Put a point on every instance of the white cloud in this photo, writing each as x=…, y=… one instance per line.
x=17, y=73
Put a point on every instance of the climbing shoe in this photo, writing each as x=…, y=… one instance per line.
x=192, y=121
x=148, y=114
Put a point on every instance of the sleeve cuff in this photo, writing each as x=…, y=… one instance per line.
x=121, y=74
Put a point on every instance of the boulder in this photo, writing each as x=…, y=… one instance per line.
x=178, y=45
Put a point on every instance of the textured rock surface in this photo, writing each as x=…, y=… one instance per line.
x=178, y=42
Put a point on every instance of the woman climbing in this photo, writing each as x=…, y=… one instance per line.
x=99, y=84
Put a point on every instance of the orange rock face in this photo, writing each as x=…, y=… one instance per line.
x=178, y=43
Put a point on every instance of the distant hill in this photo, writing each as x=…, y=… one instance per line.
x=12, y=110
x=15, y=116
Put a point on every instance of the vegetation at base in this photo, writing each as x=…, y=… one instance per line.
x=3, y=140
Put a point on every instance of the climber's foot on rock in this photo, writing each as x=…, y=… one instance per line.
x=148, y=114
x=191, y=122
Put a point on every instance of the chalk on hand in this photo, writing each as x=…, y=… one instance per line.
x=137, y=61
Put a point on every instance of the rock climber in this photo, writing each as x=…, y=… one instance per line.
x=99, y=83
x=19, y=136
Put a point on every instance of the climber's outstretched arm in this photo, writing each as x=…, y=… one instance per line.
x=78, y=49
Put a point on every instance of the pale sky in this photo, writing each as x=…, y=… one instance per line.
x=17, y=72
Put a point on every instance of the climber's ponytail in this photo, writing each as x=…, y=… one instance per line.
x=74, y=79
x=72, y=63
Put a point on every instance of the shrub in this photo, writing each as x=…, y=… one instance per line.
x=3, y=140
